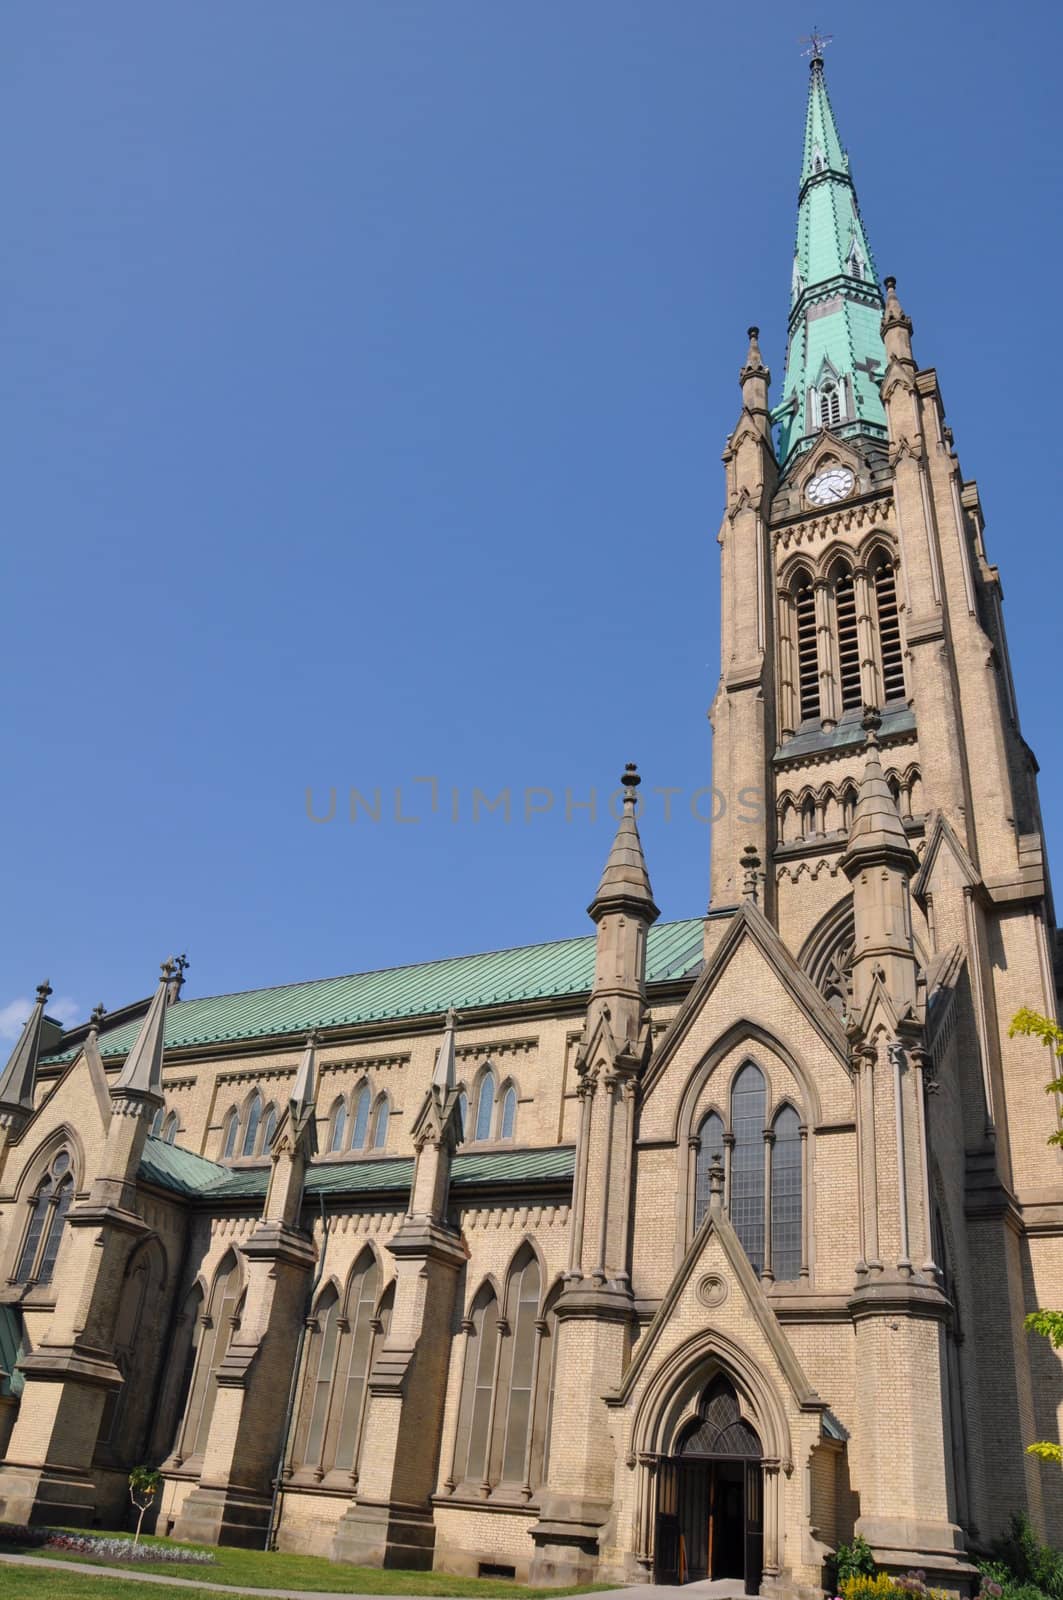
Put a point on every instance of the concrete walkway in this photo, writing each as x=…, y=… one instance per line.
x=723, y=1590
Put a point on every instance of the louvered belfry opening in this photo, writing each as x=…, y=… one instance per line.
x=889, y=633
x=807, y=663
x=848, y=642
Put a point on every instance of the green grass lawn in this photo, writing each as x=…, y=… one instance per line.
x=249, y=1570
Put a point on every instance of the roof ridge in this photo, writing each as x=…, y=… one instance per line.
x=403, y=966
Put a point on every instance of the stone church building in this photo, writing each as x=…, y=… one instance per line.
x=673, y=1250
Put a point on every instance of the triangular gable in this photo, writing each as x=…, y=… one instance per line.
x=749, y=922
x=941, y=835
x=85, y=1065
x=717, y=1236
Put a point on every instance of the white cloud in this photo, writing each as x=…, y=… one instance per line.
x=13, y=1015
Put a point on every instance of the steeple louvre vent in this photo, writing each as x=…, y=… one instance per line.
x=848, y=642
x=889, y=632
x=808, y=667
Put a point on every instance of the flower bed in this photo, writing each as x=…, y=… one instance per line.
x=100, y=1546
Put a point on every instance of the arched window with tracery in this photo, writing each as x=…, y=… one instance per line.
x=807, y=653
x=363, y=1104
x=891, y=656
x=786, y=1196
x=830, y=404
x=254, y=1117
x=504, y=1415
x=228, y=1143
x=710, y=1137
x=748, y=1106
x=219, y=1324
x=44, y=1232
x=269, y=1128
x=720, y=1428
x=485, y=1107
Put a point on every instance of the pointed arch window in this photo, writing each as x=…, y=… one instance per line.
x=710, y=1149
x=381, y=1118
x=356, y=1357
x=50, y=1204
x=485, y=1107
x=848, y=639
x=830, y=404
x=889, y=632
x=508, y=1117
x=363, y=1103
x=748, y=1106
x=232, y=1123
x=807, y=654
x=478, y=1389
x=189, y=1332
x=786, y=1196
x=133, y=1356
x=169, y=1128
x=156, y=1122
x=322, y=1372
x=524, y=1289
x=269, y=1128
x=254, y=1117
x=219, y=1324
x=339, y=1126
x=463, y=1114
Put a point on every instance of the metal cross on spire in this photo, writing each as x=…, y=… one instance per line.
x=816, y=43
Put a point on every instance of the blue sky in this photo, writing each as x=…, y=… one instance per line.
x=366, y=372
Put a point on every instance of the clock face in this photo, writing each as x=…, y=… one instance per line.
x=830, y=486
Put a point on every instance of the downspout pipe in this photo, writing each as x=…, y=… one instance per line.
x=278, y=1470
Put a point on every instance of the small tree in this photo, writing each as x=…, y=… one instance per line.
x=1047, y=1323
x=144, y=1485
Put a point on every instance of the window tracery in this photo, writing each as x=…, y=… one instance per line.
x=50, y=1203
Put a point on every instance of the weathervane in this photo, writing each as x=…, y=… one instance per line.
x=816, y=42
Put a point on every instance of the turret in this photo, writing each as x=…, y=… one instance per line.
x=436, y=1133
x=19, y=1078
x=880, y=863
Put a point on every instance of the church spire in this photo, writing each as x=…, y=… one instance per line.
x=19, y=1077
x=625, y=882
x=835, y=358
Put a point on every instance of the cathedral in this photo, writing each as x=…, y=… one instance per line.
x=669, y=1251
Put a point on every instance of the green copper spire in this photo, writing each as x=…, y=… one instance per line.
x=835, y=358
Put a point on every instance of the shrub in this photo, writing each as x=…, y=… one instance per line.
x=854, y=1560
x=1022, y=1562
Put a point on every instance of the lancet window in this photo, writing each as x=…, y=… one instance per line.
x=345, y=1333
x=840, y=641
x=219, y=1323
x=507, y=1373
x=763, y=1161
x=49, y=1205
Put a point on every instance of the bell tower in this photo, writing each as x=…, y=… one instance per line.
x=857, y=595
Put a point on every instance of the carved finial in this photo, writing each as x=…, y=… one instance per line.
x=630, y=783
x=168, y=968
x=750, y=864
x=871, y=722
x=99, y=1011
x=816, y=43
x=43, y=991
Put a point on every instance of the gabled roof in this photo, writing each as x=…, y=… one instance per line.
x=499, y=977
x=167, y=1166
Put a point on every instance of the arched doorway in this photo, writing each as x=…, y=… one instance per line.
x=710, y=1497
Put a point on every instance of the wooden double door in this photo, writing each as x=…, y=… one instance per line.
x=710, y=1520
